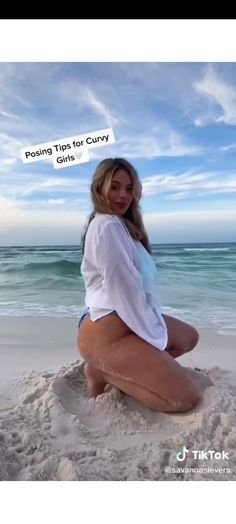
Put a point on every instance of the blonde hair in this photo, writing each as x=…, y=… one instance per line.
x=100, y=187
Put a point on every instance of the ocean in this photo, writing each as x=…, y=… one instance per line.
x=197, y=282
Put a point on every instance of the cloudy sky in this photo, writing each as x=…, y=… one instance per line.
x=176, y=122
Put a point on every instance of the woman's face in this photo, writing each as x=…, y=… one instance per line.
x=120, y=194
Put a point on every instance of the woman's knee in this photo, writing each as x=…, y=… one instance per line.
x=169, y=406
x=182, y=337
x=185, y=392
x=190, y=402
x=193, y=338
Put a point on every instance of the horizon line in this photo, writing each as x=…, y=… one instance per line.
x=152, y=243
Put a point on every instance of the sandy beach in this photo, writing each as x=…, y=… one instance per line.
x=51, y=430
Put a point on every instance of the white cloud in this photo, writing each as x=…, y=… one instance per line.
x=56, y=202
x=222, y=97
x=228, y=149
x=164, y=141
x=46, y=185
x=83, y=97
x=51, y=212
x=23, y=185
x=148, y=146
x=7, y=163
x=101, y=108
x=39, y=214
x=10, y=210
x=7, y=114
x=188, y=184
x=10, y=146
x=181, y=195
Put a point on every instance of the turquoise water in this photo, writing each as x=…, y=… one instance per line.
x=197, y=282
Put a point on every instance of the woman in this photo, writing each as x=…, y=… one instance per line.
x=123, y=336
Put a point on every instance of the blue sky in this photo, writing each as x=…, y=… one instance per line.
x=176, y=122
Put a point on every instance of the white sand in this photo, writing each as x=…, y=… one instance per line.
x=51, y=430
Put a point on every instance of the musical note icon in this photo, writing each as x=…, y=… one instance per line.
x=183, y=455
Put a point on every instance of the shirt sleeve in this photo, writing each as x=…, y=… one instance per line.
x=124, y=285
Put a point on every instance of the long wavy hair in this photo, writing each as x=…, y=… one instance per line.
x=100, y=187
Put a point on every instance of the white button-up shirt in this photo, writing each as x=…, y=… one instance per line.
x=119, y=274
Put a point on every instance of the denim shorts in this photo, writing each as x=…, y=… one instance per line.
x=87, y=314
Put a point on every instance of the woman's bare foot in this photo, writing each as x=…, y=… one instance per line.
x=96, y=383
x=200, y=379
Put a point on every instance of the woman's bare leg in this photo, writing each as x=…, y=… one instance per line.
x=97, y=380
x=182, y=337
x=134, y=366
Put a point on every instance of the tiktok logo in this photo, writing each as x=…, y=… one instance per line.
x=183, y=455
